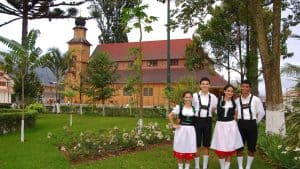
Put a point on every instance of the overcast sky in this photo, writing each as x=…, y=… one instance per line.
x=57, y=32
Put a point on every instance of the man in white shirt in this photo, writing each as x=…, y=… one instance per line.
x=205, y=103
x=250, y=113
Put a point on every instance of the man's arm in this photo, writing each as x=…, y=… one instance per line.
x=260, y=110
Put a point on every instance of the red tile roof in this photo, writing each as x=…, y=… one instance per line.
x=160, y=76
x=152, y=50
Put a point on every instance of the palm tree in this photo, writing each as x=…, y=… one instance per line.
x=20, y=60
x=58, y=63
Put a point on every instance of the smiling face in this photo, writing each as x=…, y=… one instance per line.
x=228, y=92
x=245, y=89
x=204, y=86
x=187, y=98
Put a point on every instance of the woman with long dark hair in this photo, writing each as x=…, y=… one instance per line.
x=226, y=138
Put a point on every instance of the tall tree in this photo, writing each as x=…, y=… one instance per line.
x=108, y=16
x=101, y=72
x=21, y=60
x=59, y=64
x=140, y=21
x=36, y=9
x=270, y=48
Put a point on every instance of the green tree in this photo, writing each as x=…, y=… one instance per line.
x=184, y=84
x=141, y=21
x=32, y=87
x=101, y=72
x=270, y=40
x=20, y=60
x=108, y=17
x=59, y=64
x=36, y=9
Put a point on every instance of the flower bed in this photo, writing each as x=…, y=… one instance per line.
x=90, y=145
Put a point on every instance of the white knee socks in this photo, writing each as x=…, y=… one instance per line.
x=227, y=165
x=180, y=166
x=249, y=162
x=197, y=160
x=240, y=162
x=222, y=162
x=187, y=166
x=205, y=161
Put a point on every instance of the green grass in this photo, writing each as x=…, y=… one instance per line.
x=37, y=152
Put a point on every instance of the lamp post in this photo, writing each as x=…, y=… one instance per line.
x=7, y=85
x=168, y=85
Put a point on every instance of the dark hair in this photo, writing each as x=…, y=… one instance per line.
x=204, y=79
x=246, y=82
x=186, y=92
x=227, y=86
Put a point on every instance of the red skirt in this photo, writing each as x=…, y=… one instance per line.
x=225, y=153
x=184, y=156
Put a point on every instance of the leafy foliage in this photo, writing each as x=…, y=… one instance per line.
x=101, y=72
x=108, y=16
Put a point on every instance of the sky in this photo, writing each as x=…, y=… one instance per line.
x=57, y=32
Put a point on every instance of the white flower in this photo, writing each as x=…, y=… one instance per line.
x=295, y=158
x=288, y=148
x=140, y=143
x=49, y=135
x=283, y=152
x=279, y=146
x=297, y=149
x=62, y=148
x=78, y=145
x=81, y=134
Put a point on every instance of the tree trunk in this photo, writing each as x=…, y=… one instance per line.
x=25, y=22
x=141, y=105
x=103, y=108
x=252, y=62
x=271, y=66
x=23, y=109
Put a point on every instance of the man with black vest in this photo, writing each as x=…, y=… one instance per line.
x=250, y=113
x=205, y=103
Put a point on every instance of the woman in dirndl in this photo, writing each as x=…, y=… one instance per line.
x=184, y=145
x=226, y=138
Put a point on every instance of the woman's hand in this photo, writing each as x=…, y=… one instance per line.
x=175, y=126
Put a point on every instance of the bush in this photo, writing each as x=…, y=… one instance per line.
x=12, y=121
x=5, y=105
x=36, y=107
x=274, y=146
x=10, y=110
x=115, y=111
x=99, y=144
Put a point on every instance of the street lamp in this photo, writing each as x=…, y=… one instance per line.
x=168, y=86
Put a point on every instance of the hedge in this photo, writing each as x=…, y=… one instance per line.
x=10, y=110
x=114, y=111
x=12, y=121
x=5, y=105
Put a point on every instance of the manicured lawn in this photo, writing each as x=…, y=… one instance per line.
x=39, y=153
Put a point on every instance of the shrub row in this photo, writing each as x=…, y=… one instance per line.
x=7, y=110
x=5, y=105
x=12, y=121
x=114, y=111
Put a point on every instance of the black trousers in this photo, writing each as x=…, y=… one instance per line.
x=203, y=128
x=249, y=133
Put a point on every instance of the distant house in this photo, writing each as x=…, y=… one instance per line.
x=6, y=87
x=153, y=66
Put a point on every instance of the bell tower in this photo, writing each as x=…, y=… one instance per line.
x=80, y=49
